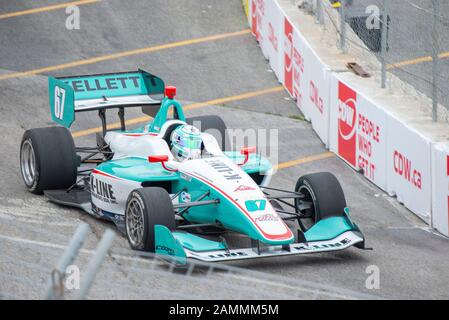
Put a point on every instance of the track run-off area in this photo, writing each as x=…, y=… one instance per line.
x=206, y=50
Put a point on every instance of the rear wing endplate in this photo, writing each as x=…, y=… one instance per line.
x=69, y=95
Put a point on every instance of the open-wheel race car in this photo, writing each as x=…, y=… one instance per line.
x=172, y=188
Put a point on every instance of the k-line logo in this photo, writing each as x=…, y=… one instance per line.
x=347, y=118
x=227, y=255
x=101, y=190
x=221, y=167
x=305, y=247
x=112, y=83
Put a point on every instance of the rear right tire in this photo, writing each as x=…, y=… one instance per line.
x=215, y=125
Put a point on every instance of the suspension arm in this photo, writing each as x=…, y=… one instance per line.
x=195, y=204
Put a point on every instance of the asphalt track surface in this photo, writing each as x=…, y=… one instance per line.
x=412, y=261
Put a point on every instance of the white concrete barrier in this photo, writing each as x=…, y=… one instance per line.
x=440, y=187
x=355, y=121
x=307, y=79
x=272, y=28
x=409, y=167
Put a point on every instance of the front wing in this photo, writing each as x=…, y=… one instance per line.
x=178, y=247
x=341, y=242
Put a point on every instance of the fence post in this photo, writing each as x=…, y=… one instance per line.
x=435, y=52
x=384, y=44
x=318, y=13
x=95, y=263
x=343, y=25
x=66, y=259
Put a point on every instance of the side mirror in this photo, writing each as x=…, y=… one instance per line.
x=247, y=151
x=158, y=158
x=162, y=159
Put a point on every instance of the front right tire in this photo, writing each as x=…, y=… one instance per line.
x=323, y=198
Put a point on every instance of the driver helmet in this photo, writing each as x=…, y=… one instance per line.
x=186, y=143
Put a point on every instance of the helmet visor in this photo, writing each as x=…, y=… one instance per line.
x=192, y=143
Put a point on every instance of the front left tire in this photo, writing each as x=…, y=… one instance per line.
x=145, y=208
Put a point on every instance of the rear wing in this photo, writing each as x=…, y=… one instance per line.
x=69, y=95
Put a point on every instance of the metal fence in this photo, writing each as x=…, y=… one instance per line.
x=403, y=43
x=36, y=262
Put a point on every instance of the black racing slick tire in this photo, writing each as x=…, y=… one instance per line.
x=48, y=159
x=213, y=125
x=323, y=198
x=145, y=208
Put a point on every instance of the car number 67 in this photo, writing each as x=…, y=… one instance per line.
x=59, y=102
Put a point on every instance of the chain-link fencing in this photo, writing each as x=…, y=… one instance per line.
x=404, y=44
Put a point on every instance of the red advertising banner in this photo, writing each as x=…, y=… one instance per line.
x=288, y=56
x=357, y=130
x=347, y=118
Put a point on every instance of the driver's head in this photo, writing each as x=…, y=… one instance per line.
x=186, y=143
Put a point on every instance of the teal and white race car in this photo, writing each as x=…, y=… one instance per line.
x=175, y=189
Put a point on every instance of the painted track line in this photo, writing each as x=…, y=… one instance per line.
x=128, y=53
x=46, y=9
x=312, y=158
x=442, y=55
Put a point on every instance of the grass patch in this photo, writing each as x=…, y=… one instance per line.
x=297, y=117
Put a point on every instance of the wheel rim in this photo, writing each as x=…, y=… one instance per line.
x=28, y=163
x=134, y=222
x=309, y=215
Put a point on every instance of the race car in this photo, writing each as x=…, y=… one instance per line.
x=172, y=188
